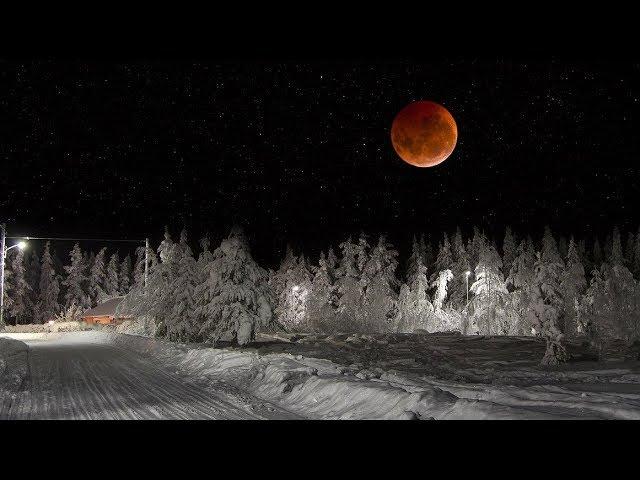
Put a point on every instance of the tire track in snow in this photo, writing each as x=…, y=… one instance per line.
x=73, y=378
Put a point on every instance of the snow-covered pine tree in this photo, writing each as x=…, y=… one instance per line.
x=323, y=298
x=426, y=249
x=597, y=257
x=291, y=310
x=615, y=256
x=547, y=302
x=20, y=290
x=349, y=288
x=332, y=261
x=490, y=309
x=33, y=278
x=509, y=247
x=444, y=260
x=112, y=278
x=278, y=281
x=636, y=256
x=461, y=265
x=563, y=246
x=97, y=277
x=138, y=269
x=413, y=302
x=379, y=285
x=414, y=260
x=628, y=250
x=610, y=309
x=125, y=275
x=181, y=321
x=76, y=282
x=48, y=289
x=521, y=281
x=573, y=286
x=239, y=304
x=608, y=248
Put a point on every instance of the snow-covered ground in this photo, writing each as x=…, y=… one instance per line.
x=85, y=375
x=396, y=376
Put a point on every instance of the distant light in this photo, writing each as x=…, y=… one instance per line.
x=22, y=245
x=467, y=273
x=51, y=322
x=295, y=288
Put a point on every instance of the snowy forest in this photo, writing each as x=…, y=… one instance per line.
x=554, y=287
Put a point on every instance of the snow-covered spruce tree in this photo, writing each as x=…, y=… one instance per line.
x=444, y=260
x=48, y=289
x=608, y=248
x=181, y=320
x=20, y=290
x=76, y=282
x=475, y=246
x=635, y=266
x=616, y=256
x=379, y=285
x=461, y=264
x=444, y=319
x=125, y=275
x=547, y=306
x=138, y=269
x=239, y=304
x=112, y=278
x=323, y=298
x=278, y=278
x=332, y=262
x=573, y=286
x=610, y=308
x=628, y=250
x=596, y=256
x=97, y=277
x=415, y=259
x=426, y=250
x=291, y=311
x=509, y=247
x=349, y=289
x=520, y=282
x=490, y=309
x=563, y=246
x=33, y=278
x=413, y=302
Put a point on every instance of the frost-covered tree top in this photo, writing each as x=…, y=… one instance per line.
x=573, y=279
x=97, y=277
x=49, y=288
x=76, y=281
x=444, y=260
x=239, y=299
x=616, y=257
x=508, y=249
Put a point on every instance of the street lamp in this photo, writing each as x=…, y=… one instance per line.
x=466, y=279
x=3, y=257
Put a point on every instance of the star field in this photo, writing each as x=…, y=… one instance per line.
x=301, y=152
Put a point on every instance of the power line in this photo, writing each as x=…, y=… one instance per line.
x=76, y=239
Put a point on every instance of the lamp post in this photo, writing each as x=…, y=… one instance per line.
x=466, y=279
x=3, y=258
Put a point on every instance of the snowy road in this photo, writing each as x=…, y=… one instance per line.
x=71, y=378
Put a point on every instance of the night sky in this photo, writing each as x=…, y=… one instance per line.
x=300, y=151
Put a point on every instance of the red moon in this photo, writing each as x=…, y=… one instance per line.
x=424, y=134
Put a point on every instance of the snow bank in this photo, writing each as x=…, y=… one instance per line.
x=318, y=388
x=46, y=328
x=14, y=367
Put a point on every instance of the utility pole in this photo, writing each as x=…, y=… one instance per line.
x=3, y=239
x=146, y=263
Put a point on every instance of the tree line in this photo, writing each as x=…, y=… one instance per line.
x=39, y=288
x=556, y=288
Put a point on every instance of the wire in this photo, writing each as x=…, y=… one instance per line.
x=77, y=239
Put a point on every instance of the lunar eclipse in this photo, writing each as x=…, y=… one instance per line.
x=424, y=134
